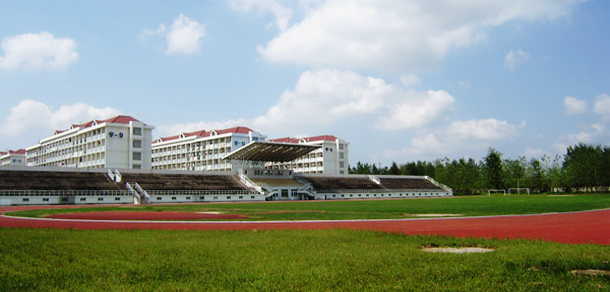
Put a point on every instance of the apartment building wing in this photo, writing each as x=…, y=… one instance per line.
x=13, y=158
x=201, y=150
x=119, y=142
x=331, y=158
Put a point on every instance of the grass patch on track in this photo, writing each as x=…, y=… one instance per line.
x=285, y=260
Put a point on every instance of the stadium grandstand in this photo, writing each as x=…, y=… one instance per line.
x=21, y=185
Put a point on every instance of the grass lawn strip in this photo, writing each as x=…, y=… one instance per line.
x=369, y=209
x=282, y=260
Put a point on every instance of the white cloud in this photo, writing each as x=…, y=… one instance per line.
x=488, y=129
x=416, y=110
x=602, y=104
x=37, y=52
x=282, y=14
x=324, y=96
x=171, y=130
x=516, y=58
x=574, y=106
x=460, y=135
x=183, y=37
x=535, y=152
x=592, y=134
x=397, y=35
x=30, y=114
x=410, y=79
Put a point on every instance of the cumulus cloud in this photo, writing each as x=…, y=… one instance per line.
x=29, y=115
x=416, y=110
x=574, y=106
x=591, y=134
x=516, y=58
x=602, y=104
x=325, y=96
x=183, y=37
x=37, y=52
x=460, y=135
x=397, y=35
x=282, y=14
x=410, y=79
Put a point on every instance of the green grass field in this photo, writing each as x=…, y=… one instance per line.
x=286, y=260
x=374, y=209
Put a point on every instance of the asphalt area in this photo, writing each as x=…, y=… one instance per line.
x=574, y=227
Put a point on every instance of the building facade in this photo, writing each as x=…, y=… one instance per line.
x=201, y=150
x=13, y=158
x=331, y=158
x=119, y=142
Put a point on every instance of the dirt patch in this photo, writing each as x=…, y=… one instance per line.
x=458, y=249
x=590, y=272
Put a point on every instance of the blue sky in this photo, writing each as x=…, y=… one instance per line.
x=400, y=80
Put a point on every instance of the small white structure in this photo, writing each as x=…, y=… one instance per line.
x=331, y=158
x=119, y=142
x=12, y=158
x=201, y=150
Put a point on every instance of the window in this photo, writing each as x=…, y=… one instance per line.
x=188, y=198
x=136, y=166
x=173, y=198
x=137, y=131
x=100, y=199
x=241, y=197
x=45, y=199
x=341, y=155
x=25, y=199
x=341, y=164
x=159, y=198
x=228, y=197
x=117, y=199
x=137, y=156
x=83, y=199
x=138, y=144
x=215, y=198
x=340, y=146
x=251, y=197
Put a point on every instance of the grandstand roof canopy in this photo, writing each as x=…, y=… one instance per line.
x=270, y=152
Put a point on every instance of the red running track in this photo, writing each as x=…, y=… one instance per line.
x=577, y=227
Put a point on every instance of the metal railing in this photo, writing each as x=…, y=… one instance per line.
x=133, y=192
x=142, y=191
x=378, y=191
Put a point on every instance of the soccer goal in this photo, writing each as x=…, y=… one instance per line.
x=518, y=191
x=497, y=191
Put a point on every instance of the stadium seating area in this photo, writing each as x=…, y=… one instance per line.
x=58, y=181
x=407, y=184
x=342, y=183
x=184, y=182
x=284, y=182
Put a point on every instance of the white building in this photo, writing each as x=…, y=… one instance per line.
x=119, y=142
x=12, y=158
x=330, y=158
x=201, y=150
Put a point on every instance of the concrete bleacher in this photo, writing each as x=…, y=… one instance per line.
x=407, y=184
x=342, y=183
x=277, y=182
x=184, y=182
x=57, y=181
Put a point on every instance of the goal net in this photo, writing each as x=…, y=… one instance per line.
x=518, y=191
x=497, y=191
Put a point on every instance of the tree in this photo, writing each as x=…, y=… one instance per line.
x=492, y=167
x=394, y=169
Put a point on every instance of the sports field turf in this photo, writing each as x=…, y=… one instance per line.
x=373, y=209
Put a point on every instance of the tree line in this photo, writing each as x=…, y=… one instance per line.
x=584, y=167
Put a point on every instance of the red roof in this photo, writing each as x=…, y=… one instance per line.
x=307, y=139
x=115, y=120
x=204, y=133
x=20, y=151
x=238, y=130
